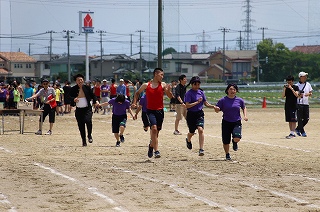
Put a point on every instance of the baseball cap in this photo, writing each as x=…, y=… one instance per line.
x=121, y=80
x=302, y=74
x=104, y=80
x=44, y=80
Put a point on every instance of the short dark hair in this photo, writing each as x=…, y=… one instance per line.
x=78, y=75
x=230, y=85
x=289, y=78
x=156, y=70
x=120, y=98
x=182, y=76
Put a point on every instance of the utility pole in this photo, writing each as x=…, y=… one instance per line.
x=30, y=48
x=159, y=33
x=50, y=52
x=140, y=31
x=263, y=28
x=68, y=44
x=240, y=41
x=224, y=30
x=131, y=44
x=101, y=51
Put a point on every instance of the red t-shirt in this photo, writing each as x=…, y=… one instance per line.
x=113, y=90
x=97, y=91
x=154, y=97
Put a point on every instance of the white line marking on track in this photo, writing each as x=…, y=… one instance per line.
x=4, y=201
x=179, y=190
x=306, y=177
x=92, y=190
x=256, y=187
x=6, y=150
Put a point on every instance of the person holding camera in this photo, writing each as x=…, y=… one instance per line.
x=291, y=93
x=305, y=90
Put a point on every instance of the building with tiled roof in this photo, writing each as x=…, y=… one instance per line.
x=16, y=64
x=313, y=49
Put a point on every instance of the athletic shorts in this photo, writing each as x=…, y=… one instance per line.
x=47, y=110
x=118, y=121
x=230, y=128
x=156, y=118
x=145, y=119
x=291, y=115
x=195, y=120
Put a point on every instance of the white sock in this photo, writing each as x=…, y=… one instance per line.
x=292, y=132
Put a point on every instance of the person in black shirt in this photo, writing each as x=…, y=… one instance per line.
x=180, y=105
x=80, y=96
x=291, y=92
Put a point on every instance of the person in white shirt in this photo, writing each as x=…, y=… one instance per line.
x=305, y=91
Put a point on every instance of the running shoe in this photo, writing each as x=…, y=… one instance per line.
x=234, y=145
x=150, y=151
x=290, y=136
x=304, y=134
x=39, y=132
x=201, y=152
x=189, y=144
x=157, y=154
x=90, y=139
x=176, y=132
x=228, y=157
x=49, y=132
x=117, y=143
x=121, y=138
x=298, y=132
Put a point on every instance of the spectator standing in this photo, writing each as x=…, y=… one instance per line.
x=291, y=93
x=67, y=104
x=305, y=91
x=113, y=89
x=181, y=110
x=47, y=95
x=121, y=89
x=27, y=91
x=105, y=96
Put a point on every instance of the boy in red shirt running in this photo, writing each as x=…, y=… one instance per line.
x=154, y=93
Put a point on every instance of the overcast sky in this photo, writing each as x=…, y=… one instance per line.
x=186, y=22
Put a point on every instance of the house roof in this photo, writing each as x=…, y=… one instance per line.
x=313, y=49
x=237, y=54
x=16, y=57
x=147, y=56
x=74, y=59
x=117, y=57
x=45, y=57
x=3, y=71
x=187, y=56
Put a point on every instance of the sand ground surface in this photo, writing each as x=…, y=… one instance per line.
x=55, y=173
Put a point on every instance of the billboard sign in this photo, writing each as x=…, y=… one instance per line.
x=86, y=22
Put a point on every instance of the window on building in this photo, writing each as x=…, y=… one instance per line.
x=28, y=65
x=178, y=67
x=184, y=70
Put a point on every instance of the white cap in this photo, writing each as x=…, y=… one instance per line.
x=302, y=74
x=121, y=80
x=104, y=80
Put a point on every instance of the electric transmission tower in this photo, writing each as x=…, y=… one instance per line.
x=247, y=26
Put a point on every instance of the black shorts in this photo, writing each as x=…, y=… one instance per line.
x=47, y=110
x=230, y=128
x=172, y=100
x=291, y=115
x=156, y=118
x=145, y=120
x=195, y=120
x=118, y=121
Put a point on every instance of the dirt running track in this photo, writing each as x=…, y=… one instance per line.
x=55, y=173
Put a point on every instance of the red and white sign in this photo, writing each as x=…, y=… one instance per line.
x=86, y=22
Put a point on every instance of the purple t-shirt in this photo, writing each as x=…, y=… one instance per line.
x=3, y=94
x=143, y=103
x=103, y=88
x=119, y=109
x=231, y=108
x=193, y=96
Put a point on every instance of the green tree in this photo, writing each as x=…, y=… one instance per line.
x=169, y=50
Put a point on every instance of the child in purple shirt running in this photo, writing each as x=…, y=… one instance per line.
x=230, y=105
x=194, y=100
x=119, y=116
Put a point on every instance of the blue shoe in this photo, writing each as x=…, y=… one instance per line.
x=189, y=144
x=121, y=138
x=304, y=134
x=234, y=146
x=298, y=132
x=201, y=152
x=228, y=157
x=157, y=154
